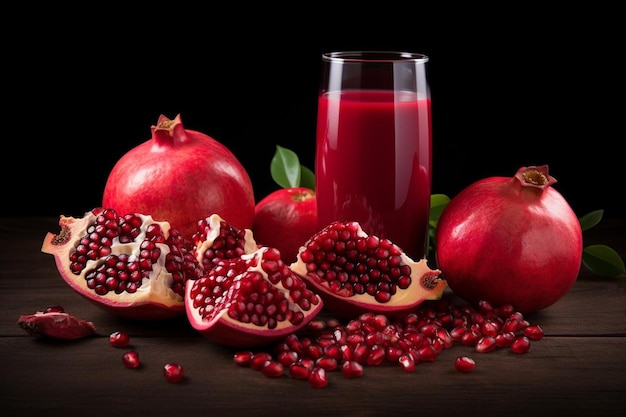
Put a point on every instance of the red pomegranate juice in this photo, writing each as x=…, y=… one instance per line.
x=373, y=164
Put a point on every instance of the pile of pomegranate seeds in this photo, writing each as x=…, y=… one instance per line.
x=374, y=339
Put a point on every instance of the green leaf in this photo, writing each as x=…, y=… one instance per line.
x=307, y=178
x=437, y=203
x=589, y=220
x=285, y=167
x=603, y=261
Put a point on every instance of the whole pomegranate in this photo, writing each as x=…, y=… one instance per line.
x=285, y=219
x=181, y=176
x=510, y=240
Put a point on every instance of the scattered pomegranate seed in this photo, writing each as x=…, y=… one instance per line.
x=505, y=339
x=464, y=364
x=486, y=344
x=318, y=378
x=173, y=372
x=374, y=339
x=288, y=357
x=533, y=332
x=257, y=362
x=54, y=309
x=352, y=369
x=119, y=339
x=299, y=370
x=243, y=358
x=273, y=369
x=131, y=359
x=407, y=363
x=521, y=345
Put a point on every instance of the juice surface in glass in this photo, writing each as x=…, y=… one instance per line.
x=373, y=164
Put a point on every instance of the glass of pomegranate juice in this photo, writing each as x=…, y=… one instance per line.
x=373, y=145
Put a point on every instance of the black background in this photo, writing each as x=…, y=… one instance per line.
x=510, y=88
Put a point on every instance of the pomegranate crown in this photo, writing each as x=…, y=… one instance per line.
x=535, y=176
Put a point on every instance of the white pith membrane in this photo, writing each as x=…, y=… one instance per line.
x=245, y=266
x=426, y=283
x=154, y=290
x=214, y=223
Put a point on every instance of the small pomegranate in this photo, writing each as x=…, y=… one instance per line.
x=130, y=264
x=180, y=176
x=250, y=300
x=510, y=241
x=56, y=324
x=285, y=219
x=356, y=273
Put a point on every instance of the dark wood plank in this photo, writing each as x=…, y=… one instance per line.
x=569, y=375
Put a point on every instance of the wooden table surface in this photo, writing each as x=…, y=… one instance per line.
x=578, y=368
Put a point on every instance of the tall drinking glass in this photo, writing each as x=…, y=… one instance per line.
x=373, y=145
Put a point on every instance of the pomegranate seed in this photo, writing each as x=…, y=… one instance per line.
x=486, y=344
x=489, y=328
x=119, y=339
x=257, y=362
x=505, y=339
x=464, y=364
x=54, y=309
x=521, y=345
x=243, y=358
x=318, y=378
x=131, y=359
x=534, y=332
x=299, y=370
x=352, y=369
x=273, y=369
x=173, y=372
x=427, y=354
x=287, y=357
x=330, y=364
x=407, y=363
x=470, y=338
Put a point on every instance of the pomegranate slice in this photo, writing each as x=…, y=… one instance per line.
x=55, y=324
x=250, y=300
x=130, y=265
x=216, y=239
x=356, y=273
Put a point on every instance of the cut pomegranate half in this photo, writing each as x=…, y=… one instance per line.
x=131, y=265
x=356, y=273
x=250, y=300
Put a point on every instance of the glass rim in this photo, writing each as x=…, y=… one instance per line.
x=374, y=56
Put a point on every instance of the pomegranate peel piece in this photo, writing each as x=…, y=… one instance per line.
x=56, y=325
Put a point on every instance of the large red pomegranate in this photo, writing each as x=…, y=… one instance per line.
x=250, y=300
x=355, y=273
x=181, y=176
x=285, y=219
x=510, y=240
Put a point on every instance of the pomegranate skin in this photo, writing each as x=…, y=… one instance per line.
x=510, y=241
x=285, y=219
x=181, y=176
